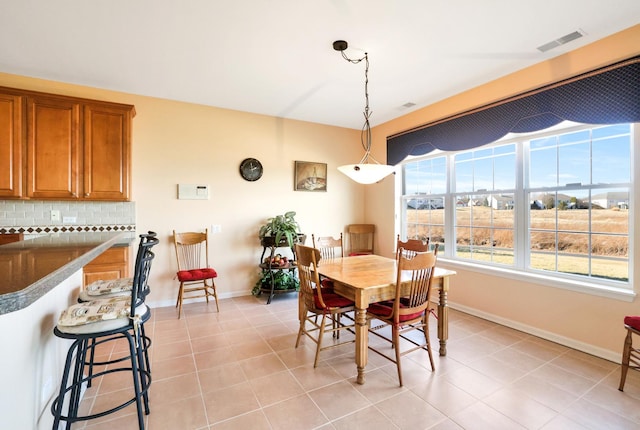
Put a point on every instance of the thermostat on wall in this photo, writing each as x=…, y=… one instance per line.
x=193, y=192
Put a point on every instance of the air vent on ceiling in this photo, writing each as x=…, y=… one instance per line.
x=561, y=41
x=407, y=105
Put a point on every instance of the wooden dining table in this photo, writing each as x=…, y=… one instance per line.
x=368, y=279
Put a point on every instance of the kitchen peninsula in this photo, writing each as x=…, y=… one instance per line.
x=40, y=278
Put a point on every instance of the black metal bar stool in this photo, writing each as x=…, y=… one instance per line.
x=91, y=323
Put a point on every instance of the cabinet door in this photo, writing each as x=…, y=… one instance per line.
x=53, y=148
x=107, y=152
x=11, y=140
x=111, y=264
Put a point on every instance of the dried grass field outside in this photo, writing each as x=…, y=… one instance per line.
x=486, y=234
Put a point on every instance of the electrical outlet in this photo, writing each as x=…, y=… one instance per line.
x=55, y=215
x=69, y=220
x=216, y=228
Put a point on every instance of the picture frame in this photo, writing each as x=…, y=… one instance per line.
x=310, y=176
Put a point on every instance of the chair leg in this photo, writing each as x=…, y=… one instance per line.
x=303, y=321
x=626, y=355
x=320, y=336
x=425, y=330
x=396, y=345
x=179, y=301
x=215, y=294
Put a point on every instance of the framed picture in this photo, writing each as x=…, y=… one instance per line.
x=309, y=176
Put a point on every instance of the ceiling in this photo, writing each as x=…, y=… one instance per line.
x=276, y=57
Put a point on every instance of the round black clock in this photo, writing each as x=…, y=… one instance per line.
x=251, y=169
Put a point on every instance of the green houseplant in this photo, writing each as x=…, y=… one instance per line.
x=282, y=280
x=278, y=229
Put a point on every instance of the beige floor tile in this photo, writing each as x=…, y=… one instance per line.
x=275, y=388
x=220, y=377
x=520, y=408
x=184, y=414
x=171, y=367
x=311, y=378
x=408, y=411
x=298, y=413
x=545, y=393
x=339, y=399
x=444, y=396
x=564, y=379
x=230, y=402
x=255, y=420
x=482, y=416
x=173, y=389
x=594, y=416
x=368, y=418
x=473, y=382
x=171, y=350
x=262, y=365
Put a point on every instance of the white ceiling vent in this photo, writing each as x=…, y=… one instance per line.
x=561, y=41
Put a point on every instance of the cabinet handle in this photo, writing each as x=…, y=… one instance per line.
x=86, y=194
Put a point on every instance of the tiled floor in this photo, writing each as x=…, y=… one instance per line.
x=238, y=369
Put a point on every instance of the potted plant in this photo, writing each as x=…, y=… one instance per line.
x=280, y=230
x=283, y=280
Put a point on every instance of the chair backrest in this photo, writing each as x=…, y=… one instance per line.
x=328, y=246
x=307, y=259
x=191, y=247
x=415, y=274
x=361, y=238
x=142, y=269
x=411, y=246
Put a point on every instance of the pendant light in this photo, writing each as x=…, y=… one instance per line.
x=368, y=170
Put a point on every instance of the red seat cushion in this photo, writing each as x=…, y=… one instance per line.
x=327, y=286
x=196, y=275
x=384, y=309
x=633, y=322
x=332, y=300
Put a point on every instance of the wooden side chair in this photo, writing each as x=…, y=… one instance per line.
x=361, y=237
x=317, y=303
x=194, y=272
x=329, y=247
x=630, y=355
x=409, y=310
x=411, y=246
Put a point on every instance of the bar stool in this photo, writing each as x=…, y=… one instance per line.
x=114, y=288
x=109, y=319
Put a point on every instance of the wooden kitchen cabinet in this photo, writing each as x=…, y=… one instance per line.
x=107, y=152
x=53, y=148
x=111, y=264
x=64, y=148
x=11, y=145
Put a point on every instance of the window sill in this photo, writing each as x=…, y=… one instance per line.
x=592, y=288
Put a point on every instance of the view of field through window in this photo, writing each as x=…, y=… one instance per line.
x=575, y=193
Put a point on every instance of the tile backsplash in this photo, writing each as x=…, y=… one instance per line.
x=28, y=216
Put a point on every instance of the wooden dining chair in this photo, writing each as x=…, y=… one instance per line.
x=630, y=355
x=411, y=246
x=329, y=247
x=408, y=311
x=194, y=272
x=317, y=303
x=361, y=237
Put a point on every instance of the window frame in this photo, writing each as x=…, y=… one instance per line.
x=520, y=270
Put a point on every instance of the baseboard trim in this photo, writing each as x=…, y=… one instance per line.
x=553, y=337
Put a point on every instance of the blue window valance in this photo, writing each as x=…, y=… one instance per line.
x=610, y=95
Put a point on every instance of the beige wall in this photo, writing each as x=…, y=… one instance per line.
x=177, y=142
x=588, y=322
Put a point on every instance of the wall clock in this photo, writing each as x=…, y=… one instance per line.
x=251, y=169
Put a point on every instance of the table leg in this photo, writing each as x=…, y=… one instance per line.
x=362, y=343
x=443, y=317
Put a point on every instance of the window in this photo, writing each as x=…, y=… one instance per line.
x=554, y=202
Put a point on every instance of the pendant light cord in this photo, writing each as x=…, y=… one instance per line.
x=365, y=135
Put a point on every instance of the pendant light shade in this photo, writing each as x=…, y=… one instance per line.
x=366, y=173
x=368, y=170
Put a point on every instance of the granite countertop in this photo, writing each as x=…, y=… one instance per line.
x=38, y=265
